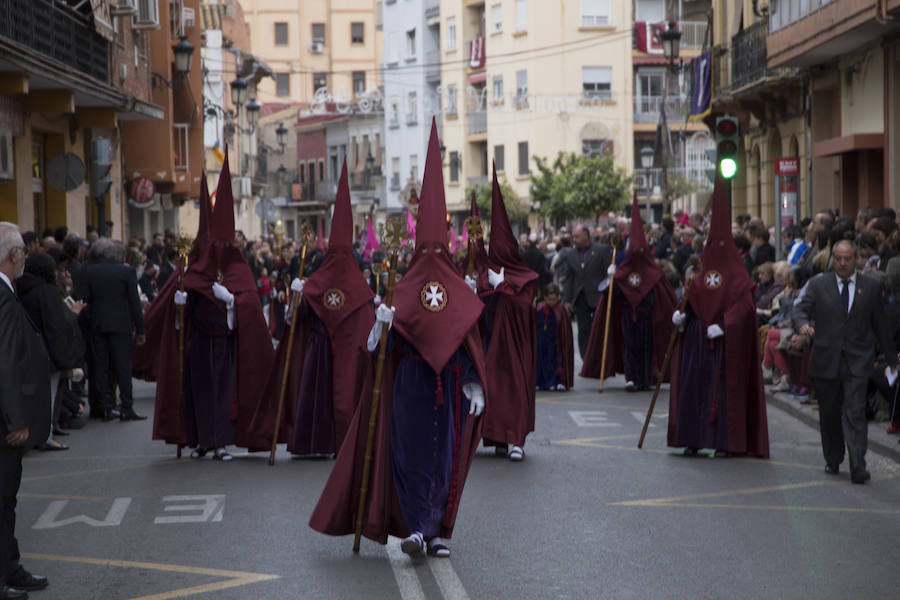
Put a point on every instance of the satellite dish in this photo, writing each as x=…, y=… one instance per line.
x=65, y=171
x=271, y=211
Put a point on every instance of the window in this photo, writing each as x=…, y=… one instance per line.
x=648, y=91
x=451, y=99
x=521, y=88
x=395, y=173
x=318, y=33
x=359, y=82
x=395, y=113
x=521, y=15
x=498, y=157
x=454, y=167
x=320, y=80
x=283, y=84
x=594, y=13
x=601, y=147
x=412, y=109
x=451, y=33
x=498, y=89
x=411, y=43
x=497, y=18
x=356, y=33
x=596, y=82
x=321, y=170
x=414, y=166
x=281, y=34
x=523, y=158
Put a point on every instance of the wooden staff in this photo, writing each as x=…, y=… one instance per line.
x=395, y=230
x=609, y=299
x=476, y=231
x=184, y=246
x=660, y=375
x=306, y=236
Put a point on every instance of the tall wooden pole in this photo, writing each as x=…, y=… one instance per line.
x=609, y=299
x=393, y=234
x=660, y=375
x=306, y=236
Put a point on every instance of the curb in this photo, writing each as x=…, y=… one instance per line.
x=810, y=417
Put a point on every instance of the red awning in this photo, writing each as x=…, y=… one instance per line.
x=478, y=77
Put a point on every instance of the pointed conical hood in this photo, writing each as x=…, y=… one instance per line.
x=503, y=251
x=201, y=240
x=432, y=225
x=335, y=290
x=473, y=209
x=723, y=278
x=222, y=226
x=638, y=273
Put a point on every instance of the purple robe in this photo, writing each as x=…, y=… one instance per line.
x=209, y=375
x=700, y=415
x=548, y=372
x=637, y=341
x=314, y=413
x=427, y=430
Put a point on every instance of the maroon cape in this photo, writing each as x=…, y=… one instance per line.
x=335, y=513
x=565, y=342
x=145, y=359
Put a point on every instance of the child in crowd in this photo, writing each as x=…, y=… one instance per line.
x=556, y=366
x=264, y=288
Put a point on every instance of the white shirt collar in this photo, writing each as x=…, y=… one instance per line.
x=8, y=282
x=852, y=278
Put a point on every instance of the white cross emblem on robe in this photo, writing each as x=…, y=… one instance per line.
x=634, y=280
x=713, y=279
x=333, y=299
x=434, y=296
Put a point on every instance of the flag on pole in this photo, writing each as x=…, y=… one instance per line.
x=371, y=241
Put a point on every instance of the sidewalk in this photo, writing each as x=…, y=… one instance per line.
x=880, y=441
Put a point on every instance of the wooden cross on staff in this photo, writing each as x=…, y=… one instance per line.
x=476, y=232
x=183, y=247
x=393, y=239
x=306, y=238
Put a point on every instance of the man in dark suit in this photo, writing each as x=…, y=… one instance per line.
x=115, y=312
x=844, y=313
x=586, y=265
x=24, y=407
x=167, y=267
x=760, y=248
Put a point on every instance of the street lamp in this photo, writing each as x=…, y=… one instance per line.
x=239, y=92
x=183, y=51
x=646, y=163
x=252, y=113
x=671, y=41
x=281, y=135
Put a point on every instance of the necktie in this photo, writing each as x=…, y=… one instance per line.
x=845, y=294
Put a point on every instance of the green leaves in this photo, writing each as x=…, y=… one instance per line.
x=516, y=208
x=575, y=186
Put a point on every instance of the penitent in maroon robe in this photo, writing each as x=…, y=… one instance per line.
x=330, y=368
x=717, y=399
x=555, y=347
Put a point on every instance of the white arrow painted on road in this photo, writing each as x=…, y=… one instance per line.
x=591, y=418
x=113, y=517
x=640, y=416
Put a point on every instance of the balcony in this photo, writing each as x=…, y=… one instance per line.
x=786, y=12
x=314, y=193
x=480, y=180
x=476, y=122
x=749, y=60
x=361, y=182
x=58, y=32
x=693, y=34
x=395, y=182
x=432, y=8
x=647, y=108
x=649, y=181
x=433, y=66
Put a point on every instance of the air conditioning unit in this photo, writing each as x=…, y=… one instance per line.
x=123, y=7
x=6, y=155
x=147, y=15
x=316, y=47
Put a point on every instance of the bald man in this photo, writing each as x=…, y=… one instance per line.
x=586, y=265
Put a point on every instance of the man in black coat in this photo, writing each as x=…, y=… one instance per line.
x=844, y=314
x=115, y=313
x=24, y=407
x=761, y=250
x=586, y=265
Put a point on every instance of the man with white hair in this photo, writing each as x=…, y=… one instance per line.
x=24, y=407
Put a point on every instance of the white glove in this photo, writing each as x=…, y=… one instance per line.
x=297, y=285
x=611, y=271
x=376, y=300
x=494, y=278
x=180, y=298
x=383, y=315
x=222, y=293
x=678, y=318
x=714, y=331
x=475, y=395
x=76, y=374
x=473, y=285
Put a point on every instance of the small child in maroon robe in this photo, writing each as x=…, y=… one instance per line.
x=556, y=367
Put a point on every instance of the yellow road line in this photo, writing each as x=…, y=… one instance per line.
x=36, y=460
x=740, y=492
x=882, y=511
x=235, y=578
x=105, y=470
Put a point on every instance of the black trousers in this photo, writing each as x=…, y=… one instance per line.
x=842, y=418
x=10, y=478
x=112, y=356
x=584, y=316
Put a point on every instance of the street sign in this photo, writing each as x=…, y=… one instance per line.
x=787, y=166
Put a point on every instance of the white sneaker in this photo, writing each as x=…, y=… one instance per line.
x=782, y=385
x=629, y=386
x=438, y=548
x=414, y=545
x=768, y=374
x=561, y=388
x=516, y=453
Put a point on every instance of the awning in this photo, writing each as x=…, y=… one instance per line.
x=211, y=16
x=849, y=143
x=103, y=19
x=478, y=77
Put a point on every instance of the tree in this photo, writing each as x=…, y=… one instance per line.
x=577, y=186
x=516, y=208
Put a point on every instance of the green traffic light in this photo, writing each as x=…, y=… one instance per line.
x=728, y=166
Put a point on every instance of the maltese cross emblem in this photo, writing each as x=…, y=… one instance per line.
x=634, y=280
x=434, y=296
x=712, y=279
x=333, y=299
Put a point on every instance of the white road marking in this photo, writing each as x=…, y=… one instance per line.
x=113, y=518
x=404, y=571
x=591, y=418
x=210, y=507
x=640, y=416
x=447, y=579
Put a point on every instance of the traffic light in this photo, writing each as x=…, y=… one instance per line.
x=727, y=145
x=100, y=166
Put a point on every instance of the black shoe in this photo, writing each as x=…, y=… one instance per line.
x=832, y=469
x=860, y=477
x=107, y=415
x=23, y=580
x=11, y=593
x=58, y=431
x=130, y=415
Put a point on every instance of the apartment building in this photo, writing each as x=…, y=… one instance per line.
x=314, y=45
x=526, y=78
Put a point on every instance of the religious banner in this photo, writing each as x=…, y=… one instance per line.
x=649, y=37
x=701, y=92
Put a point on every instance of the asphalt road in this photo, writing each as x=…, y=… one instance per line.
x=586, y=515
